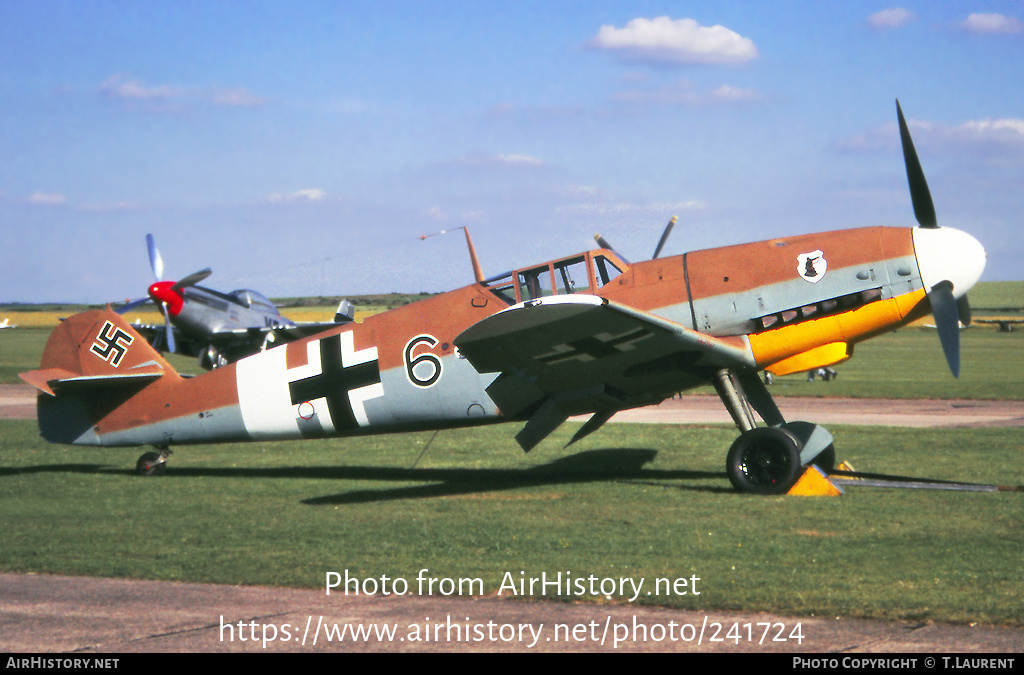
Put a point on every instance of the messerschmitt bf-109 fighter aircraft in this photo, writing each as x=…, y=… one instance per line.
x=585, y=334
x=216, y=327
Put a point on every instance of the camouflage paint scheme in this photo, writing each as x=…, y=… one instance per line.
x=467, y=357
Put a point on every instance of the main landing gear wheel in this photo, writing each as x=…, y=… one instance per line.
x=152, y=464
x=765, y=461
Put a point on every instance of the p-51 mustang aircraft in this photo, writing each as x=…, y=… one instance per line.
x=217, y=327
x=585, y=334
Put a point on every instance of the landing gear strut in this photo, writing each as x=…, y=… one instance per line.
x=768, y=460
x=153, y=463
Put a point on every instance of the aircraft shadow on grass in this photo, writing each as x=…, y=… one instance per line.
x=619, y=464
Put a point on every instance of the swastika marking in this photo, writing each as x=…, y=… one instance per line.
x=111, y=344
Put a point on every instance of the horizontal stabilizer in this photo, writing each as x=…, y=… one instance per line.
x=52, y=380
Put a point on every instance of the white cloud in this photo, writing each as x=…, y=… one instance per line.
x=1007, y=127
x=436, y=213
x=47, y=199
x=579, y=191
x=520, y=159
x=508, y=110
x=730, y=93
x=122, y=87
x=894, y=17
x=627, y=208
x=992, y=137
x=682, y=93
x=986, y=24
x=309, y=195
x=237, y=97
x=1001, y=135
x=665, y=40
x=509, y=160
x=115, y=207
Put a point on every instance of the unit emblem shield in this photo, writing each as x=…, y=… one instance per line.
x=811, y=266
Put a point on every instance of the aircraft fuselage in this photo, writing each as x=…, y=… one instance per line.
x=788, y=304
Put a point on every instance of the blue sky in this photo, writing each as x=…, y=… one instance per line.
x=303, y=148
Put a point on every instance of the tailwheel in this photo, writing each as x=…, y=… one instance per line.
x=152, y=463
x=764, y=460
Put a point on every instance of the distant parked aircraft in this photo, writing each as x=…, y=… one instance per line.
x=219, y=328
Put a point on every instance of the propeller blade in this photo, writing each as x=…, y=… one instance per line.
x=169, y=329
x=924, y=209
x=664, y=237
x=964, y=310
x=947, y=318
x=192, y=279
x=155, y=261
x=129, y=306
x=604, y=244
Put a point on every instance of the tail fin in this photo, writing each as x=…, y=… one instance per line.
x=92, y=363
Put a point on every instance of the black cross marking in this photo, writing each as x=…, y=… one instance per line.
x=111, y=341
x=334, y=383
x=593, y=348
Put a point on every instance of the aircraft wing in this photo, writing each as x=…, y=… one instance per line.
x=257, y=335
x=567, y=355
x=1005, y=324
x=297, y=331
x=156, y=335
x=251, y=340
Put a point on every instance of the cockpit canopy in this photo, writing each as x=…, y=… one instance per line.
x=583, y=273
x=252, y=299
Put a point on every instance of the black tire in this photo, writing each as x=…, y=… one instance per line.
x=150, y=464
x=764, y=461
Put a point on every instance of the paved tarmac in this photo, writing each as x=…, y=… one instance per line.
x=17, y=402
x=43, y=613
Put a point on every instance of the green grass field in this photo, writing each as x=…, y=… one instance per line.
x=638, y=501
x=997, y=296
